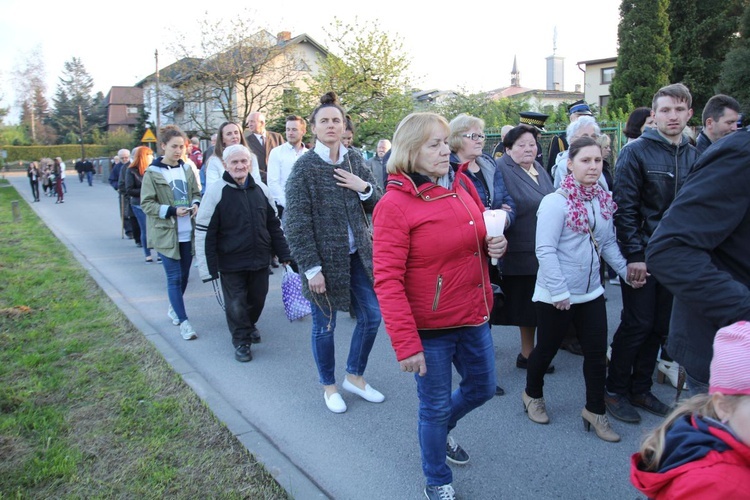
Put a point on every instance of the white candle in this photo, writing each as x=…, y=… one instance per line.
x=494, y=220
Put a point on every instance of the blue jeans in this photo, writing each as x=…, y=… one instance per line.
x=470, y=350
x=365, y=305
x=178, y=272
x=140, y=216
x=695, y=386
x=90, y=178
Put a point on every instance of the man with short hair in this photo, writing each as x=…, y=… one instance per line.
x=720, y=116
x=559, y=143
x=118, y=172
x=282, y=159
x=649, y=173
x=261, y=141
x=376, y=164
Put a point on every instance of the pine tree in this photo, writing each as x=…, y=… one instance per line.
x=702, y=34
x=735, y=71
x=73, y=90
x=643, y=62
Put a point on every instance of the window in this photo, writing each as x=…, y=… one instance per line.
x=132, y=110
x=603, y=101
x=607, y=75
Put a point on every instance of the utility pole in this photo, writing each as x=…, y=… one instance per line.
x=80, y=128
x=158, y=109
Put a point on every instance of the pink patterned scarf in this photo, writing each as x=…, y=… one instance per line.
x=578, y=216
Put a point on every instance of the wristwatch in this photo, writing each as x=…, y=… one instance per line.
x=367, y=189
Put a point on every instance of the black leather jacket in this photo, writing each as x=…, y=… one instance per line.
x=648, y=174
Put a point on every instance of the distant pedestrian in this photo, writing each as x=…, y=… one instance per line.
x=33, y=174
x=58, y=181
x=62, y=174
x=88, y=170
x=142, y=158
x=170, y=198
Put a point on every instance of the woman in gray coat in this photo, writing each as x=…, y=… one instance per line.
x=329, y=194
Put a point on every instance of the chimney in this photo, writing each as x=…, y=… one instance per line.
x=578, y=88
x=283, y=36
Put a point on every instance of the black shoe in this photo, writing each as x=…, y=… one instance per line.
x=138, y=244
x=523, y=363
x=255, y=336
x=650, y=403
x=499, y=391
x=620, y=408
x=270, y=271
x=454, y=453
x=243, y=354
x=573, y=347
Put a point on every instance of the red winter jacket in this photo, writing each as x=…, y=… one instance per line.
x=701, y=461
x=429, y=259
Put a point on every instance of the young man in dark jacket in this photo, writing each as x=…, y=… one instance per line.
x=700, y=253
x=236, y=232
x=648, y=175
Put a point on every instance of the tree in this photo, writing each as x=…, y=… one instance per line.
x=369, y=73
x=643, y=61
x=29, y=77
x=73, y=96
x=735, y=71
x=238, y=73
x=702, y=34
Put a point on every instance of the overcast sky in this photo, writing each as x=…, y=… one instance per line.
x=467, y=45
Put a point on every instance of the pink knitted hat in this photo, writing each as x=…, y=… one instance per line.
x=730, y=366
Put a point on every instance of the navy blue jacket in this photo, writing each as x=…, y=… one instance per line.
x=700, y=252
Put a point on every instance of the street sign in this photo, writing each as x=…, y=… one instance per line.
x=148, y=136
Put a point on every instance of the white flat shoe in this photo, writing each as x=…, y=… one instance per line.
x=335, y=402
x=368, y=394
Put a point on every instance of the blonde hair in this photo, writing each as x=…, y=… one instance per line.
x=702, y=405
x=459, y=126
x=411, y=134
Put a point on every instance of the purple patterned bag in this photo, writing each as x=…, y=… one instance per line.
x=296, y=305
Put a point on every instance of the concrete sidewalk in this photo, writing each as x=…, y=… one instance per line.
x=274, y=404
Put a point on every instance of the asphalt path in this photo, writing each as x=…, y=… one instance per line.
x=274, y=404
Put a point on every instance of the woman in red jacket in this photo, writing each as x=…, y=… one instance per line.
x=430, y=263
x=702, y=450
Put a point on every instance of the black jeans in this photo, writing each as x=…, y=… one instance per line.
x=590, y=321
x=644, y=325
x=244, y=298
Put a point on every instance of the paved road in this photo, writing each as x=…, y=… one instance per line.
x=275, y=405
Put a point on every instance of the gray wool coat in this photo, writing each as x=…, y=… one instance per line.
x=315, y=223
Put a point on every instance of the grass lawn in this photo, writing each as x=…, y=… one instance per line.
x=88, y=407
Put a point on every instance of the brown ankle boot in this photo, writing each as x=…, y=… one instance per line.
x=601, y=426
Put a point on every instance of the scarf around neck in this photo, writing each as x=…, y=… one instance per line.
x=577, y=194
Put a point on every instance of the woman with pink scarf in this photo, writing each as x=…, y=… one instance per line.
x=574, y=229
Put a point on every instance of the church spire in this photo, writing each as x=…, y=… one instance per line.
x=515, y=76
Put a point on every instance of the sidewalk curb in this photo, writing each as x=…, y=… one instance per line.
x=290, y=477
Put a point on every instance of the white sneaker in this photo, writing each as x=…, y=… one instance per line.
x=187, y=331
x=173, y=316
x=368, y=394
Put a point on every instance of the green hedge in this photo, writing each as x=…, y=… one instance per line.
x=65, y=151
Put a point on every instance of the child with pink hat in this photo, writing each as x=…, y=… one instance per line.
x=702, y=450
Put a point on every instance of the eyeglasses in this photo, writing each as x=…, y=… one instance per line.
x=474, y=137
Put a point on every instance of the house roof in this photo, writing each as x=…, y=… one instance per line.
x=523, y=92
x=178, y=70
x=124, y=95
x=599, y=61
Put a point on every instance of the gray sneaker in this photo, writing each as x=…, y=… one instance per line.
x=454, y=453
x=187, y=331
x=444, y=492
x=173, y=316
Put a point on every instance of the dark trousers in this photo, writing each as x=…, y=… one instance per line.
x=643, y=326
x=35, y=189
x=590, y=321
x=244, y=297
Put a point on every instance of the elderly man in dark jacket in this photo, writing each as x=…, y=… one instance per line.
x=700, y=253
x=236, y=232
x=648, y=175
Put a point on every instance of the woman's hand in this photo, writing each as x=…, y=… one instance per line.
x=195, y=211
x=414, y=364
x=182, y=211
x=496, y=246
x=348, y=180
x=317, y=284
x=563, y=305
